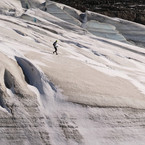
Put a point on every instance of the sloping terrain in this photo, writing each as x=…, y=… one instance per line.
x=91, y=93
x=132, y=10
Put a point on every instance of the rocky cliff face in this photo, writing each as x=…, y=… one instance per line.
x=132, y=10
x=91, y=93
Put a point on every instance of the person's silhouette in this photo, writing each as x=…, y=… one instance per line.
x=55, y=47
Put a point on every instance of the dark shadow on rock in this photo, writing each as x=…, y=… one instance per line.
x=8, y=79
x=31, y=73
x=19, y=32
x=52, y=86
x=3, y=102
x=75, y=43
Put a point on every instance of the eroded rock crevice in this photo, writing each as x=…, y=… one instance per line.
x=32, y=75
x=2, y=102
x=8, y=79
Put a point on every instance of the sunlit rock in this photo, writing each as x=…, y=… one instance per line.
x=91, y=93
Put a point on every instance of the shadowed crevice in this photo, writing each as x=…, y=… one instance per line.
x=31, y=73
x=2, y=104
x=8, y=79
x=19, y=32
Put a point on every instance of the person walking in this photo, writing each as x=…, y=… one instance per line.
x=55, y=47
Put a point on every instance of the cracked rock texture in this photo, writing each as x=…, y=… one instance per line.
x=91, y=93
x=131, y=10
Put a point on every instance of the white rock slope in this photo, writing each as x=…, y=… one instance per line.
x=91, y=93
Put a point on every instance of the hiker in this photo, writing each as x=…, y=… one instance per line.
x=55, y=47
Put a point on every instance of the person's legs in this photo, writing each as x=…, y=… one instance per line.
x=55, y=51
